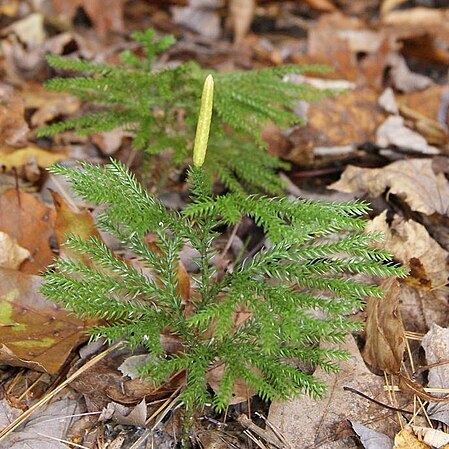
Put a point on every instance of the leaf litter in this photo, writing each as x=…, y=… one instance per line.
x=383, y=153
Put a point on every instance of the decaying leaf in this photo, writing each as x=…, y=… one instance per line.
x=200, y=16
x=30, y=30
x=306, y=422
x=385, y=338
x=34, y=332
x=31, y=223
x=11, y=254
x=411, y=244
x=436, y=346
x=241, y=391
x=413, y=180
x=413, y=388
x=406, y=439
x=331, y=122
x=12, y=158
x=48, y=104
x=103, y=383
x=128, y=416
x=106, y=15
x=370, y=438
x=13, y=127
x=394, y=132
x=46, y=429
x=432, y=437
x=73, y=223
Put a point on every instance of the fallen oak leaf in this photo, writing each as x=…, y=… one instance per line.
x=385, y=334
x=413, y=180
x=34, y=332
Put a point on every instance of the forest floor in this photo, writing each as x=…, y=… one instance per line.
x=383, y=138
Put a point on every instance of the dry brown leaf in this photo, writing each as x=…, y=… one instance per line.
x=106, y=15
x=31, y=223
x=418, y=17
x=389, y=5
x=48, y=104
x=330, y=122
x=337, y=40
x=109, y=141
x=406, y=439
x=413, y=388
x=103, y=383
x=241, y=14
x=30, y=30
x=34, y=332
x=11, y=254
x=413, y=180
x=411, y=244
x=425, y=102
x=13, y=127
x=393, y=132
x=385, y=339
x=9, y=7
x=321, y=5
x=432, y=437
x=241, y=391
x=70, y=222
x=12, y=158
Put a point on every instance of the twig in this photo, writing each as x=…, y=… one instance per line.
x=389, y=407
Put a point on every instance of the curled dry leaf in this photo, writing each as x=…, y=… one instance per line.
x=11, y=254
x=34, y=332
x=385, y=339
x=413, y=180
x=31, y=223
x=411, y=244
x=413, y=388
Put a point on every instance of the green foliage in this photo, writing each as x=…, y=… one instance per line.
x=295, y=292
x=148, y=101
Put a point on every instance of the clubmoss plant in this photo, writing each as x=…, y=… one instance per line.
x=159, y=106
x=253, y=320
